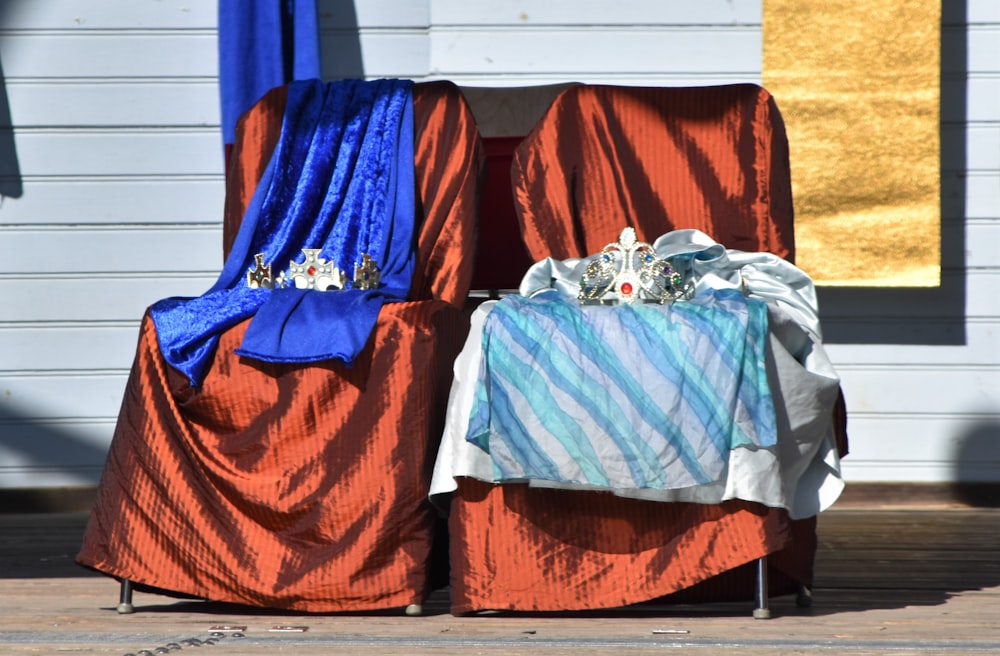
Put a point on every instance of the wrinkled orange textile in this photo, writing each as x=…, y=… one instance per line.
x=714, y=159
x=515, y=547
x=657, y=159
x=289, y=486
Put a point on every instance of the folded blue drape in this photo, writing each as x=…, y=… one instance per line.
x=341, y=180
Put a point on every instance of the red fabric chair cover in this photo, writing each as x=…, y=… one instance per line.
x=602, y=157
x=658, y=159
x=300, y=487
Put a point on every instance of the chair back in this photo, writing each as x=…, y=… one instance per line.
x=658, y=159
x=446, y=147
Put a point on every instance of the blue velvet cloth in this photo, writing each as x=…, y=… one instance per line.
x=263, y=44
x=341, y=180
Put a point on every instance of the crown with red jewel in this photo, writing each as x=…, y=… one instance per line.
x=628, y=270
x=313, y=272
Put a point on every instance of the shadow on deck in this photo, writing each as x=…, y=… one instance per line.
x=913, y=578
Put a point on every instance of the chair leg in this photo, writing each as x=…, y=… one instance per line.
x=415, y=610
x=804, y=599
x=125, y=598
x=762, y=611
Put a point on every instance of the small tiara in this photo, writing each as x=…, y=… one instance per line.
x=313, y=273
x=630, y=270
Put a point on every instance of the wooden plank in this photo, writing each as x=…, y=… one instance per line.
x=979, y=42
x=908, y=307
x=625, y=78
x=26, y=541
x=114, y=103
x=104, y=54
x=920, y=388
x=51, y=477
x=982, y=12
x=983, y=96
x=373, y=54
x=942, y=435
x=982, y=195
x=892, y=470
x=37, y=446
x=595, y=13
x=982, y=146
x=917, y=496
x=113, y=200
x=580, y=51
x=399, y=52
x=979, y=336
x=124, y=151
x=38, y=453
x=120, y=249
x=91, y=298
x=972, y=144
x=92, y=395
x=871, y=609
x=983, y=243
x=983, y=48
x=108, y=14
x=57, y=347
x=339, y=15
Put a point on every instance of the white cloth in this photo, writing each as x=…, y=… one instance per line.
x=800, y=474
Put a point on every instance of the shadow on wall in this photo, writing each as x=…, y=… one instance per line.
x=10, y=170
x=340, y=40
x=31, y=448
x=933, y=315
x=11, y=185
x=977, y=468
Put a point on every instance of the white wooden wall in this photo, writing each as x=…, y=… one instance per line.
x=921, y=368
x=114, y=105
x=114, y=200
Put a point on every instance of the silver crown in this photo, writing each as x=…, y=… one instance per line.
x=313, y=273
x=630, y=270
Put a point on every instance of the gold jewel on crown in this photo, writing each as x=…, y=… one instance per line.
x=313, y=273
x=630, y=270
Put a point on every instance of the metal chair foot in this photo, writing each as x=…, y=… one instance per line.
x=762, y=612
x=125, y=606
x=804, y=599
x=414, y=610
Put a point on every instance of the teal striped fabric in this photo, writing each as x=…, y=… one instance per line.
x=629, y=396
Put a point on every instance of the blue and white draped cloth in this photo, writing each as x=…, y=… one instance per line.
x=341, y=180
x=643, y=396
x=797, y=469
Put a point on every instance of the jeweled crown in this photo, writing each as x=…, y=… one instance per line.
x=630, y=270
x=313, y=272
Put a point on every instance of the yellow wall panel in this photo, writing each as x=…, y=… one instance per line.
x=858, y=84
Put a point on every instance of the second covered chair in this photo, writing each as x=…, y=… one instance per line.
x=603, y=158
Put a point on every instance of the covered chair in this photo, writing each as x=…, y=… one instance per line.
x=713, y=159
x=300, y=486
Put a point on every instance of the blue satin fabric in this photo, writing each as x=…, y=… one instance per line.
x=340, y=179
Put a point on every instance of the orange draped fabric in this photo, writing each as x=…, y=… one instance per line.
x=289, y=486
x=714, y=159
x=657, y=159
x=515, y=547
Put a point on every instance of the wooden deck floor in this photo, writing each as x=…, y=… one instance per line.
x=913, y=580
